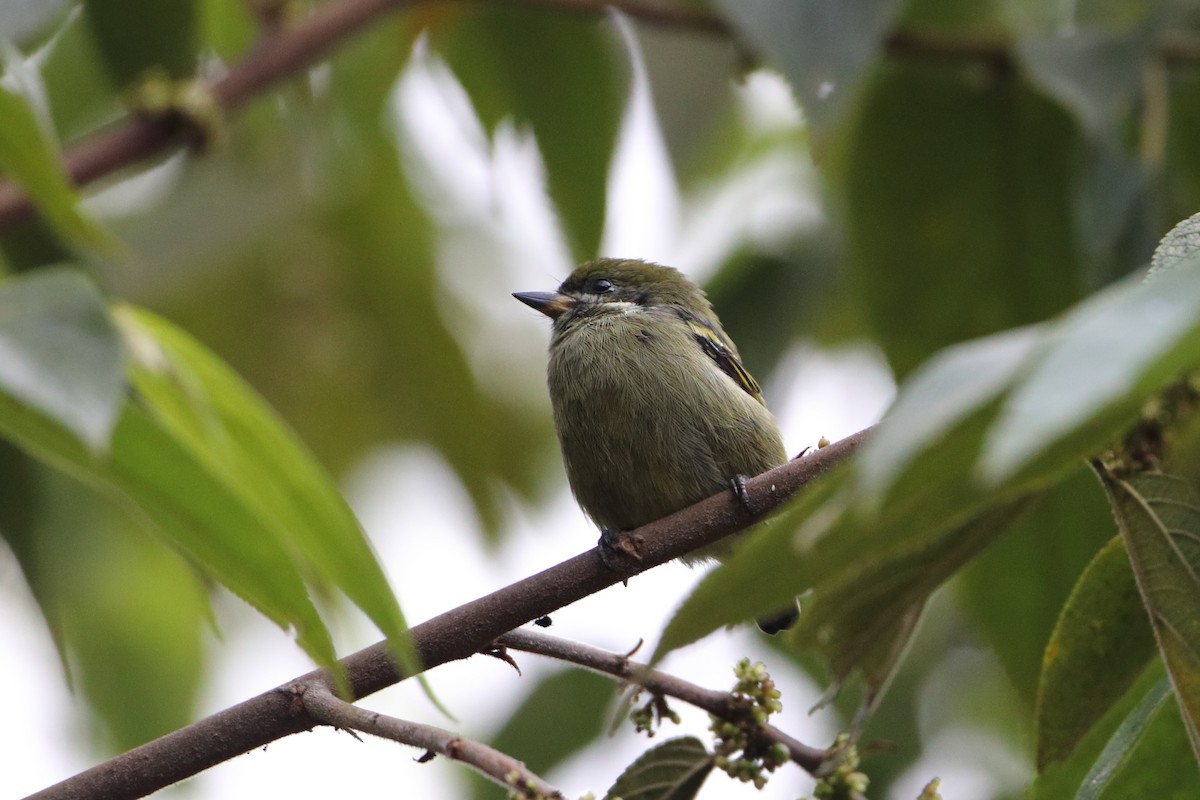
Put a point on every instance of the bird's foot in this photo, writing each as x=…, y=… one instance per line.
x=620, y=551
x=741, y=492
x=777, y=623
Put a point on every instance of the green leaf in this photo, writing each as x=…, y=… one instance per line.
x=60, y=354
x=765, y=573
x=954, y=384
x=1016, y=589
x=824, y=47
x=572, y=703
x=1175, y=249
x=674, y=770
x=559, y=74
x=28, y=157
x=1159, y=519
x=958, y=219
x=1098, y=364
x=1124, y=741
x=863, y=609
x=1099, y=647
x=138, y=35
x=230, y=434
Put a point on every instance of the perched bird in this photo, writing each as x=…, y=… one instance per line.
x=653, y=408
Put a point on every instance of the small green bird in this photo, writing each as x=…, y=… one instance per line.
x=653, y=408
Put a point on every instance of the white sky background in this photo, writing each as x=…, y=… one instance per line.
x=490, y=196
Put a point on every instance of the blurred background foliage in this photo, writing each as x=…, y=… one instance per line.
x=941, y=171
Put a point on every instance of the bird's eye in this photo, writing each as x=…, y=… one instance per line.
x=600, y=285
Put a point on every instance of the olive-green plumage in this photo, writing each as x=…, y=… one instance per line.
x=653, y=408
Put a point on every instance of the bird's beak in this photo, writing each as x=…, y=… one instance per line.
x=552, y=304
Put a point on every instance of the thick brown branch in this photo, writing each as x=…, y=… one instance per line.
x=456, y=634
x=322, y=706
x=719, y=704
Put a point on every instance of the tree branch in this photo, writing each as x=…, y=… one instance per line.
x=719, y=704
x=276, y=57
x=322, y=706
x=453, y=635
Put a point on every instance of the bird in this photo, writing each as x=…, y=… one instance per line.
x=652, y=406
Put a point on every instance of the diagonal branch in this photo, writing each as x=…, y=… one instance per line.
x=455, y=634
x=324, y=707
x=719, y=704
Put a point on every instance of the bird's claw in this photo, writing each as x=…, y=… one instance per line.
x=741, y=492
x=619, y=550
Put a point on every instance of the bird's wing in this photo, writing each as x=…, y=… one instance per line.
x=724, y=357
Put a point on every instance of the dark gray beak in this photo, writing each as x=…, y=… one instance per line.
x=552, y=304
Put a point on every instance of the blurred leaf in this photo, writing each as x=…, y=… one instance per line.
x=1094, y=63
x=764, y=575
x=823, y=47
x=1033, y=568
x=20, y=20
x=126, y=614
x=133, y=613
x=1159, y=519
x=572, y=703
x=691, y=84
x=29, y=158
x=81, y=97
x=1099, y=647
x=954, y=384
x=1097, y=365
x=138, y=35
x=232, y=435
x=862, y=610
x=1124, y=741
x=558, y=73
x=674, y=770
x=956, y=204
x=59, y=352
x=229, y=28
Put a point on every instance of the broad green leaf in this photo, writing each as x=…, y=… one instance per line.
x=188, y=506
x=1159, y=519
x=1099, y=647
x=1122, y=743
x=674, y=770
x=80, y=94
x=1016, y=589
x=824, y=47
x=134, y=615
x=1061, y=779
x=560, y=74
x=232, y=435
x=572, y=703
x=952, y=385
x=764, y=575
x=862, y=609
x=955, y=192
x=1158, y=762
x=60, y=354
x=139, y=35
x=1098, y=364
x=29, y=158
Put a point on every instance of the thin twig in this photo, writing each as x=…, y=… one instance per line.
x=719, y=704
x=455, y=634
x=322, y=706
